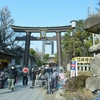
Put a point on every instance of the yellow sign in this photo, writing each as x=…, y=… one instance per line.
x=74, y=59
x=1, y=66
x=4, y=60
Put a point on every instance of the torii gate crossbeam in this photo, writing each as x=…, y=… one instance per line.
x=32, y=38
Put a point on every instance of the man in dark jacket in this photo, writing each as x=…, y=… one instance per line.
x=55, y=76
x=11, y=77
x=32, y=73
x=15, y=77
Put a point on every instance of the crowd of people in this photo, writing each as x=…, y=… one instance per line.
x=42, y=73
x=11, y=74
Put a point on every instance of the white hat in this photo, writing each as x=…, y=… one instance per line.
x=46, y=67
x=39, y=68
x=12, y=67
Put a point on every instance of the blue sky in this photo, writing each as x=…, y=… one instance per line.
x=47, y=13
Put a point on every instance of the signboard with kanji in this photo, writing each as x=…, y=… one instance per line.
x=73, y=67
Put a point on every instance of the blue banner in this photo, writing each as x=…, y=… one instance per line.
x=73, y=68
x=73, y=65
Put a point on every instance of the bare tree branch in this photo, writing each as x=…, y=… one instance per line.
x=7, y=35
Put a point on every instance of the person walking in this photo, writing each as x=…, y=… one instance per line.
x=42, y=73
x=15, y=77
x=2, y=80
x=32, y=73
x=6, y=70
x=11, y=76
x=3, y=77
x=39, y=71
x=48, y=74
x=54, y=78
x=25, y=72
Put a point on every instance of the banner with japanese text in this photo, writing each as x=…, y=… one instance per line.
x=73, y=67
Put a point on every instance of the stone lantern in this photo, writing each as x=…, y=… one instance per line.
x=92, y=24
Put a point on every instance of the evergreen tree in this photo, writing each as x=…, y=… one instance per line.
x=81, y=40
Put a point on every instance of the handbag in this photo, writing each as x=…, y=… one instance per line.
x=16, y=79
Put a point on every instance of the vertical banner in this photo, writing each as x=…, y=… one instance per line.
x=12, y=61
x=73, y=67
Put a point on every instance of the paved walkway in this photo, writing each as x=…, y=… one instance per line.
x=22, y=93
x=50, y=96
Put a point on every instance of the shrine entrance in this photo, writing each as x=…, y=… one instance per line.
x=42, y=31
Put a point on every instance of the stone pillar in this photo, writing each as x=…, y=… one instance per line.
x=27, y=47
x=83, y=68
x=52, y=47
x=87, y=68
x=59, y=48
x=43, y=47
x=80, y=68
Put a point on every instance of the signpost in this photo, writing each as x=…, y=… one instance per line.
x=74, y=67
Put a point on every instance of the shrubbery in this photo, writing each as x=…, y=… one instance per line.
x=78, y=82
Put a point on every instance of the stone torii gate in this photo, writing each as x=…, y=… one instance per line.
x=28, y=37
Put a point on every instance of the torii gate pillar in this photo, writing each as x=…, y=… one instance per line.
x=59, y=48
x=27, y=47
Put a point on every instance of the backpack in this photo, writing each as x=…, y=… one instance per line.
x=25, y=74
x=55, y=75
x=12, y=73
